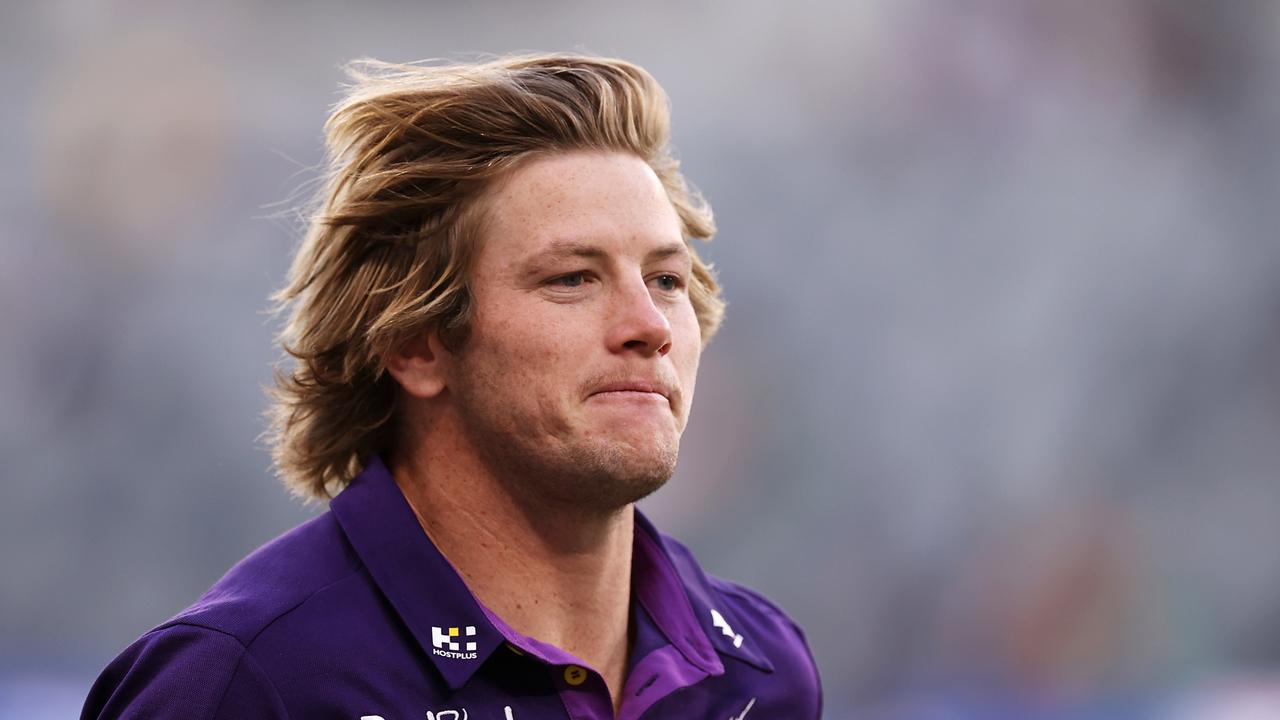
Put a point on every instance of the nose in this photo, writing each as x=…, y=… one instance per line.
x=639, y=325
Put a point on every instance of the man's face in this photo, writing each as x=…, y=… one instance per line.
x=577, y=377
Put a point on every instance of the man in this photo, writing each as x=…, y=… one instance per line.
x=497, y=317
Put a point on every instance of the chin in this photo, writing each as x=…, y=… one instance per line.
x=592, y=467
x=597, y=477
x=623, y=474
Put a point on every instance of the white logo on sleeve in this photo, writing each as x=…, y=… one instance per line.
x=447, y=644
x=718, y=620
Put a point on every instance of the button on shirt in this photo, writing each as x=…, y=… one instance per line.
x=355, y=614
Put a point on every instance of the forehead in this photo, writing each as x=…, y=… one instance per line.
x=610, y=200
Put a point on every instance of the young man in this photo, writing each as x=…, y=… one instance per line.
x=497, y=317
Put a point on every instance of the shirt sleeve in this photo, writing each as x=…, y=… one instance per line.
x=183, y=671
x=813, y=687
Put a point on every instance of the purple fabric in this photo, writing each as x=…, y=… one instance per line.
x=355, y=614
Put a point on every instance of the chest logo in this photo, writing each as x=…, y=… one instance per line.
x=723, y=625
x=448, y=643
x=439, y=715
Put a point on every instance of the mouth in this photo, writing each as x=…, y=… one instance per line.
x=633, y=390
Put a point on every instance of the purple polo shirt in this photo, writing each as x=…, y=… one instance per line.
x=355, y=614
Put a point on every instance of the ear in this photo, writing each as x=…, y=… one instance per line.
x=420, y=366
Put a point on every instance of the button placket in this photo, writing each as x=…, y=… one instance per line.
x=575, y=675
x=583, y=692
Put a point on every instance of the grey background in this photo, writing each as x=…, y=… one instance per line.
x=994, y=412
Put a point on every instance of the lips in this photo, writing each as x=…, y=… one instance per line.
x=625, y=387
x=634, y=386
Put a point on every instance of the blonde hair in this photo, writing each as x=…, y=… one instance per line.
x=387, y=254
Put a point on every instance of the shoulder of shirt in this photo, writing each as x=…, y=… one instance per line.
x=202, y=660
x=743, y=599
x=774, y=632
x=275, y=580
x=746, y=601
x=180, y=670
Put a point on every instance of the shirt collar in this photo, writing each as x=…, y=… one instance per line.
x=679, y=596
x=458, y=633
x=425, y=590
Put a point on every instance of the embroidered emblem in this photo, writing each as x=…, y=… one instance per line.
x=718, y=620
x=447, y=715
x=447, y=645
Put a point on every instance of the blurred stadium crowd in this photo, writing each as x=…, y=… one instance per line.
x=995, y=412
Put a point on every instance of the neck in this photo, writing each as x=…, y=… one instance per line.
x=557, y=574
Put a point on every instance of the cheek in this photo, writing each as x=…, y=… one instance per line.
x=525, y=354
x=688, y=351
x=685, y=330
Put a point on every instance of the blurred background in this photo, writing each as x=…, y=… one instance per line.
x=995, y=413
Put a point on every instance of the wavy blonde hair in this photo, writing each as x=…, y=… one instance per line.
x=388, y=251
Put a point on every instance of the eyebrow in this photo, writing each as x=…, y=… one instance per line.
x=561, y=249
x=666, y=251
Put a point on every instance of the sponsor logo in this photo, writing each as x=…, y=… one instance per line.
x=447, y=715
x=723, y=625
x=440, y=715
x=447, y=643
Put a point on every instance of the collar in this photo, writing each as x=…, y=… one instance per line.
x=459, y=634
x=423, y=588
x=679, y=596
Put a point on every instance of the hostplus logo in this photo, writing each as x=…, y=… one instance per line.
x=446, y=642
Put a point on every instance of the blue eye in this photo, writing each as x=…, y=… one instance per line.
x=668, y=283
x=571, y=280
